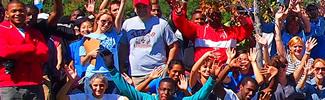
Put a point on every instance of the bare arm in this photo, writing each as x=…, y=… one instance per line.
x=256, y=70
x=144, y=86
x=310, y=44
x=72, y=76
x=59, y=56
x=173, y=50
x=103, y=5
x=56, y=13
x=278, y=27
x=120, y=15
x=196, y=67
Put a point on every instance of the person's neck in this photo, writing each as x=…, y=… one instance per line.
x=239, y=95
x=145, y=18
x=203, y=79
x=319, y=82
x=215, y=25
x=20, y=25
x=298, y=57
x=98, y=97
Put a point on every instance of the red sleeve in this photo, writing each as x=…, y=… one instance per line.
x=245, y=30
x=41, y=47
x=187, y=28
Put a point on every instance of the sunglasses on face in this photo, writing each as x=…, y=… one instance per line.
x=320, y=69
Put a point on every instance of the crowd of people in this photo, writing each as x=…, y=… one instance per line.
x=102, y=54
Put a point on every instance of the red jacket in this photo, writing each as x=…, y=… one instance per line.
x=206, y=38
x=29, y=54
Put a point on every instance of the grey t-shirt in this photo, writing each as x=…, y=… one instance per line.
x=147, y=42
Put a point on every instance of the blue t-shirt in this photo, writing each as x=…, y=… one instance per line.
x=74, y=49
x=317, y=31
x=154, y=85
x=235, y=82
x=312, y=92
x=108, y=40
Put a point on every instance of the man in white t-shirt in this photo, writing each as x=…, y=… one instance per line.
x=146, y=40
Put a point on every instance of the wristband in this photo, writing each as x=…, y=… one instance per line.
x=307, y=52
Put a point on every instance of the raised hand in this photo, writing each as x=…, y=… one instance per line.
x=127, y=78
x=260, y=39
x=90, y=6
x=71, y=72
x=252, y=54
x=157, y=72
x=269, y=71
x=231, y=53
x=182, y=84
x=265, y=94
x=235, y=63
x=310, y=44
x=281, y=13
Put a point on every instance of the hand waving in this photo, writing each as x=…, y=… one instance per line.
x=182, y=84
x=310, y=44
x=127, y=78
x=90, y=6
x=260, y=39
x=269, y=71
x=252, y=54
x=231, y=53
x=157, y=72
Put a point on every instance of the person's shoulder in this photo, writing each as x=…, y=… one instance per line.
x=114, y=97
x=132, y=19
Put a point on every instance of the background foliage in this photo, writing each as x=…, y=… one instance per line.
x=70, y=5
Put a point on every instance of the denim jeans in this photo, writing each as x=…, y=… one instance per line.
x=22, y=93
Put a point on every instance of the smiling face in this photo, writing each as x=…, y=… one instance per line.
x=296, y=46
x=205, y=69
x=248, y=90
x=319, y=71
x=104, y=23
x=98, y=86
x=198, y=18
x=86, y=28
x=244, y=62
x=176, y=71
x=16, y=13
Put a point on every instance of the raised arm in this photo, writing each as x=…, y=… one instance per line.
x=310, y=44
x=119, y=17
x=205, y=91
x=196, y=67
x=187, y=28
x=279, y=17
x=103, y=5
x=56, y=13
x=72, y=77
x=257, y=73
x=263, y=42
x=301, y=83
x=144, y=86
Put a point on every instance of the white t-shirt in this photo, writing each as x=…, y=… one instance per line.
x=83, y=96
x=147, y=42
x=230, y=95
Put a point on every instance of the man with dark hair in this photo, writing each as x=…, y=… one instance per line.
x=23, y=52
x=247, y=88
